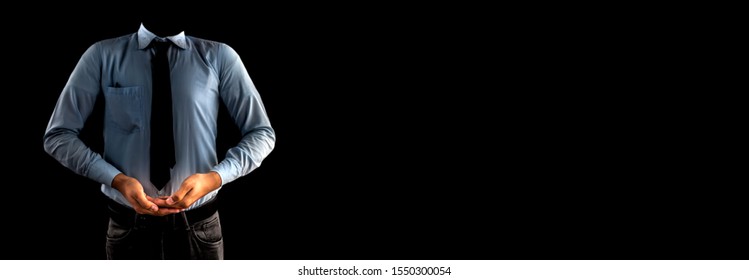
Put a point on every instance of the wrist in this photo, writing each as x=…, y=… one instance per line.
x=120, y=180
x=216, y=178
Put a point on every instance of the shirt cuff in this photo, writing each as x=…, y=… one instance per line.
x=103, y=172
x=224, y=174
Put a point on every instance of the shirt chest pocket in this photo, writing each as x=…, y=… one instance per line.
x=124, y=108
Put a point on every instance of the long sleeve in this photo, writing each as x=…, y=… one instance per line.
x=246, y=108
x=73, y=108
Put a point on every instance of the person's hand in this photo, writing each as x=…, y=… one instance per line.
x=193, y=188
x=133, y=192
x=159, y=201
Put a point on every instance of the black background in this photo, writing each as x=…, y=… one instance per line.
x=401, y=134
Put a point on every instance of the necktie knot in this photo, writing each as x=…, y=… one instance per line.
x=160, y=46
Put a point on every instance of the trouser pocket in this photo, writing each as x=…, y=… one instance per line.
x=206, y=239
x=119, y=241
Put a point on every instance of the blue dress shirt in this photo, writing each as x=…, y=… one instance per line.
x=203, y=73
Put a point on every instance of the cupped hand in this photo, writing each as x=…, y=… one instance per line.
x=192, y=189
x=132, y=190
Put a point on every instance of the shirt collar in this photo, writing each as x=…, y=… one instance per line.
x=145, y=37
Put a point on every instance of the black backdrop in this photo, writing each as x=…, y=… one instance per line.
x=401, y=134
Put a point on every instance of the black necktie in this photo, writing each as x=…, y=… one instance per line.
x=162, y=136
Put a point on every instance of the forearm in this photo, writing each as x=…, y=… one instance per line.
x=247, y=155
x=65, y=146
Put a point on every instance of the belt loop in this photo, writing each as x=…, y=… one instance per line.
x=135, y=220
x=184, y=217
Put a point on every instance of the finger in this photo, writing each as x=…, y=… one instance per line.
x=188, y=200
x=162, y=212
x=161, y=202
x=143, y=202
x=177, y=196
x=167, y=211
x=136, y=206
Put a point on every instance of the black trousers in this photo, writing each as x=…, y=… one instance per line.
x=194, y=234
